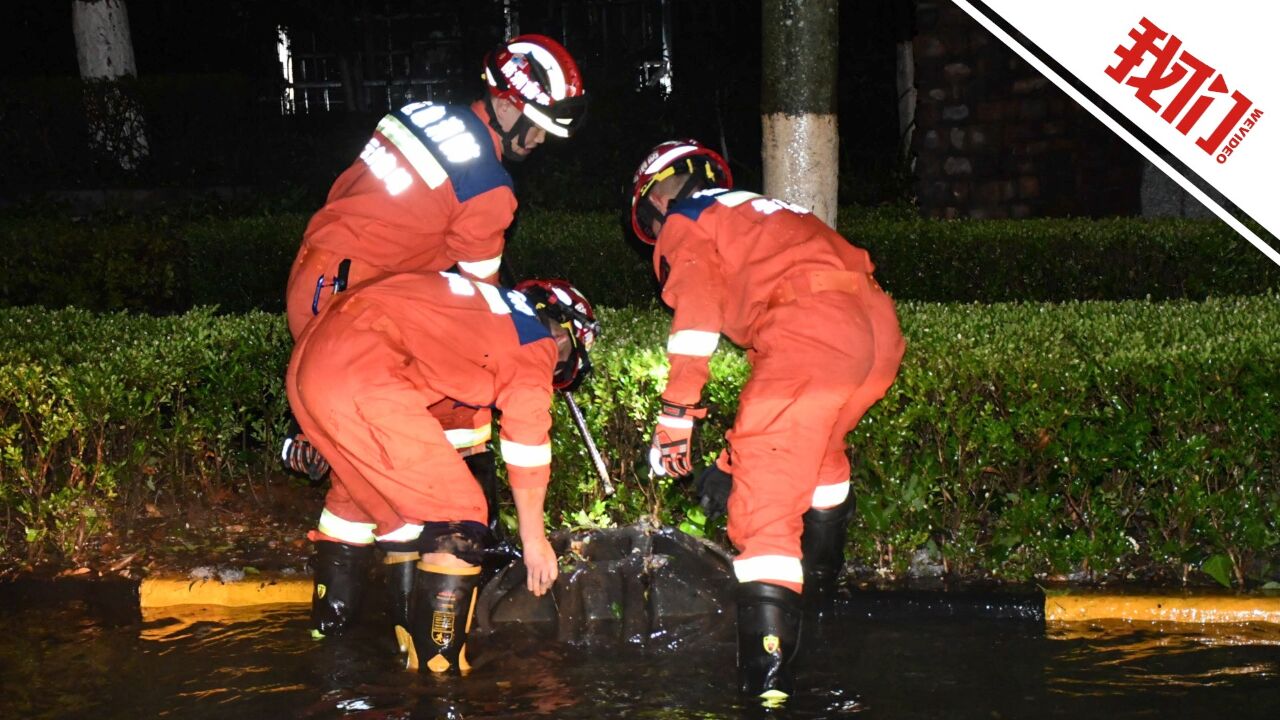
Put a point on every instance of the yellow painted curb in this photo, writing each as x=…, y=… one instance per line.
x=1200, y=609
x=163, y=592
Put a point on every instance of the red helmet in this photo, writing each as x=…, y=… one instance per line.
x=559, y=302
x=538, y=76
x=673, y=157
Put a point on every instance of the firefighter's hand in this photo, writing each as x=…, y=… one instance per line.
x=540, y=564
x=301, y=456
x=713, y=486
x=670, y=453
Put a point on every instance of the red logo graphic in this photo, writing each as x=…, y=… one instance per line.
x=1176, y=68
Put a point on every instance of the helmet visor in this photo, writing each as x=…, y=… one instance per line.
x=562, y=119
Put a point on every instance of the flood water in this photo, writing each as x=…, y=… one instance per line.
x=66, y=662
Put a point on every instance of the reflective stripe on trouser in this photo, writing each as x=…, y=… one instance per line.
x=827, y=496
x=391, y=462
x=820, y=363
x=464, y=426
x=361, y=533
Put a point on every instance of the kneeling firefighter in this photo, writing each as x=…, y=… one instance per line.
x=361, y=381
x=823, y=344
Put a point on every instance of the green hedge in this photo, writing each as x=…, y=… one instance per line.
x=99, y=412
x=168, y=263
x=1020, y=440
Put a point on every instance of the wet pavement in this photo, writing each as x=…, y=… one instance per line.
x=874, y=658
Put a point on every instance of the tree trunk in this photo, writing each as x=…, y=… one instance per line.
x=906, y=82
x=798, y=104
x=104, y=49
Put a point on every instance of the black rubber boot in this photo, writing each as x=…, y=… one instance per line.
x=399, y=568
x=768, y=639
x=440, y=617
x=341, y=572
x=482, y=468
x=822, y=546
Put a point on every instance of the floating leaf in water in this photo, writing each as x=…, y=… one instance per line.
x=250, y=570
x=1218, y=567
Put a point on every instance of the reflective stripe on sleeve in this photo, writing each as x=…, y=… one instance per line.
x=699, y=343
x=528, y=456
x=827, y=496
x=467, y=437
x=779, y=568
x=356, y=533
x=404, y=533
x=423, y=162
x=675, y=422
x=481, y=268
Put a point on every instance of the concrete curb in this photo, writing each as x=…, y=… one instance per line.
x=1195, y=609
x=1082, y=607
x=257, y=590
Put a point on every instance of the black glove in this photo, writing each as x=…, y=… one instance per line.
x=301, y=456
x=713, y=485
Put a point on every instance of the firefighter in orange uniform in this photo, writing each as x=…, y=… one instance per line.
x=824, y=345
x=360, y=381
x=428, y=193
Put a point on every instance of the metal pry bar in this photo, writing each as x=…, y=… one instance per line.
x=581, y=422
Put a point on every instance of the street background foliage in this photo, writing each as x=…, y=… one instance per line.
x=202, y=256
x=1081, y=440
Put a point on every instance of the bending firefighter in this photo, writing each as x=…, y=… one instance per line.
x=824, y=345
x=360, y=383
x=429, y=193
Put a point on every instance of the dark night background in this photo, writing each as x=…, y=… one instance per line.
x=211, y=87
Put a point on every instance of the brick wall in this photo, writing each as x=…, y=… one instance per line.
x=995, y=139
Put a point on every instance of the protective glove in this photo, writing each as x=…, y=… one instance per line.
x=713, y=486
x=669, y=454
x=301, y=456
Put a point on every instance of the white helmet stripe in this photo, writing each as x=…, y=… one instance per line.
x=540, y=119
x=667, y=158
x=554, y=73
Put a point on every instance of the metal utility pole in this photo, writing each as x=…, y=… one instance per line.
x=798, y=103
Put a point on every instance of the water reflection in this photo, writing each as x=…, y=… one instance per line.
x=252, y=663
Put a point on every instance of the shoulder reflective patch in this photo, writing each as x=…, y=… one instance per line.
x=384, y=166
x=459, y=143
x=458, y=284
x=528, y=327
x=529, y=456
x=493, y=295
x=409, y=145
x=696, y=343
x=736, y=198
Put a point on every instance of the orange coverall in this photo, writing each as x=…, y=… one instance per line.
x=364, y=373
x=823, y=342
x=426, y=193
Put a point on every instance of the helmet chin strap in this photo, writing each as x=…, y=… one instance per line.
x=519, y=131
